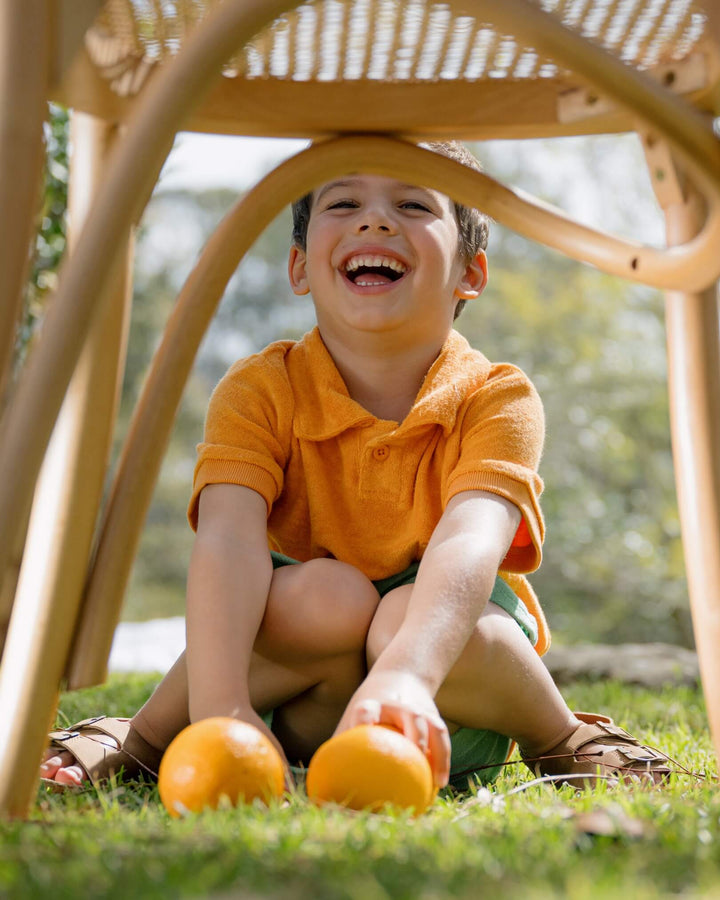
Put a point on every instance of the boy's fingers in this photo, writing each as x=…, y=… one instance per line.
x=367, y=713
x=430, y=735
x=439, y=755
x=413, y=726
x=422, y=733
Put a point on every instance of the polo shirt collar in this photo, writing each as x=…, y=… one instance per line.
x=458, y=370
x=324, y=408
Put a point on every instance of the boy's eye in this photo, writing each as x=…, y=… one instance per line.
x=342, y=204
x=414, y=204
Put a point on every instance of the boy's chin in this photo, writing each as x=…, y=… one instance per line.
x=376, y=318
x=361, y=326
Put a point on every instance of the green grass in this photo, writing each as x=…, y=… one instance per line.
x=120, y=843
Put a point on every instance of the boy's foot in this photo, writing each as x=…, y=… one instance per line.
x=60, y=767
x=95, y=749
x=599, y=747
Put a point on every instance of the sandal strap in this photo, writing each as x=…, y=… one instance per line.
x=132, y=753
x=114, y=728
x=611, y=736
x=609, y=748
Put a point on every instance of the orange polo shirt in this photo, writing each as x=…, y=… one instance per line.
x=340, y=482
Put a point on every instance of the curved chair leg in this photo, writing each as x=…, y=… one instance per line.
x=23, y=89
x=693, y=338
x=150, y=428
x=149, y=431
x=65, y=508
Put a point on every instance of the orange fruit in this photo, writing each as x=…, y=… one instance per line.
x=369, y=766
x=218, y=757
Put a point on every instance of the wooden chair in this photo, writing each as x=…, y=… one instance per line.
x=364, y=79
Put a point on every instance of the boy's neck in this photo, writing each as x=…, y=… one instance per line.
x=382, y=378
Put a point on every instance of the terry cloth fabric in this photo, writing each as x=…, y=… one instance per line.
x=340, y=482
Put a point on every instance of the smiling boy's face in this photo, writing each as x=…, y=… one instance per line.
x=384, y=256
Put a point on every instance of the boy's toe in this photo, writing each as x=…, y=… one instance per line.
x=73, y=775
x=62, y=767
x=51, y=763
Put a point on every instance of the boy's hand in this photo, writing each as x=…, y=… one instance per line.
x=402, y=700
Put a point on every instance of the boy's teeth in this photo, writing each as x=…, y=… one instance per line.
x=374, y=262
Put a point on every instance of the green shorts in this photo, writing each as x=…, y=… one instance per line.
x=477, y=755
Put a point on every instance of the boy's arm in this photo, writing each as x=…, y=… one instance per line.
x=228, y=584
x=453, y=585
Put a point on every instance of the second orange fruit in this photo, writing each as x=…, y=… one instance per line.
x=368, y=767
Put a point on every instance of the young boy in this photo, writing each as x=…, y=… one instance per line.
x=355, y=497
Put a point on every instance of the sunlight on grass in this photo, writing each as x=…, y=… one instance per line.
x=534, y=843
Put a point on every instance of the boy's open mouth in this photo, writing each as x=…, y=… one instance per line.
x=368, y=270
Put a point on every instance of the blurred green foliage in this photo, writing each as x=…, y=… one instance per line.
x=593, y=345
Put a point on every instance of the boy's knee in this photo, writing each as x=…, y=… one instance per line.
x=325, y=601
x=497, y=628
x=496, y=637
x=339, y=591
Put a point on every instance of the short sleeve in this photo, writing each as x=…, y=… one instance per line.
x=501, y=443
x=244, y=442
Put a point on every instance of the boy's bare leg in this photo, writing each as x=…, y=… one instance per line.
x=499, y=683
x=307, y=698
x=309, y=660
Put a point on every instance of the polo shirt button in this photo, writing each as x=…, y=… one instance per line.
x=380, y=452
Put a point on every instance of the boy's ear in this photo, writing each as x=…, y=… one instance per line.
x=474, y=278
x=297, y=271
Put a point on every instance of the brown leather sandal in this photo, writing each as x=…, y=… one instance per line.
x=599, y=747
x=130, y=753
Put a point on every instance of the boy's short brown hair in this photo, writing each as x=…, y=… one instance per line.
x=473, y=225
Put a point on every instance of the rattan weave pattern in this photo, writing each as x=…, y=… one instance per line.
x=392, y=40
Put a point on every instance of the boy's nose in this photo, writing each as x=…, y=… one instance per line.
x=374, y=215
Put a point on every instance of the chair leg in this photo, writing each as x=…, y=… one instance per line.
x=23, y=90
x=65, y=508
x=693, y=337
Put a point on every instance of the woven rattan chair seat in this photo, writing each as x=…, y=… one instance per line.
x=404, y=40
x=332, y=66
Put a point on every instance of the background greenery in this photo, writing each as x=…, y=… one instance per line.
x=593, y=345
